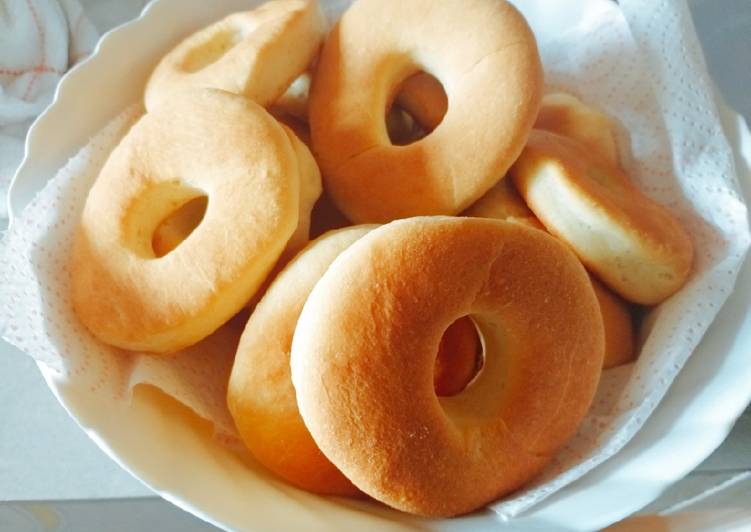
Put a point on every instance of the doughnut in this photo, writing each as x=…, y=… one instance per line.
x=566, y=115
x=502, y=202
x=255, y=53
x=494, y=72
x=632, y=244
x=172, y=231
x=260, y=396
x=363, y=355
x=198, y=143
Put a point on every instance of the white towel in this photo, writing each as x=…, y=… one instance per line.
x=39, y=41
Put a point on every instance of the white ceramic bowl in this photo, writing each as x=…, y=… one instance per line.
x=185, y=466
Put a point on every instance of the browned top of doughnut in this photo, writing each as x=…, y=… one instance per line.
x=364, y=351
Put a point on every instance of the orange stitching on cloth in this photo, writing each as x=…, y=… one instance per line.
x=42, y=42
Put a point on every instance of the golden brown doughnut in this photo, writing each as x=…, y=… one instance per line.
x=364, y=350
x=255, y=53
x=494, y=72
x=260, y=396
x=633, y=245
x=198, y=143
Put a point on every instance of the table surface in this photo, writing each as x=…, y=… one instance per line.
x=45, y=456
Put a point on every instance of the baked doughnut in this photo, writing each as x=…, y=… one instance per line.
x=503, y=202
x=633, y=245
x=495, y=73
x=260, y=396
x=178, y=225
x=198, y=143
x=255, y=53
x=364, y=349
x=566, y=115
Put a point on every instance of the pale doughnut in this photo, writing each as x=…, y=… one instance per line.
x=566, y=115
x=364, y=350
x=255, y=53
x=260, y=396
x=172, y=231
x=503, y=202
x=631, y=243
x=198, y=143
x=484, y=54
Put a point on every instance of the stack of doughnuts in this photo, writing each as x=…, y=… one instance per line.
x=439, y=261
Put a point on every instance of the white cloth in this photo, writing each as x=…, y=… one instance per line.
x=39, y=41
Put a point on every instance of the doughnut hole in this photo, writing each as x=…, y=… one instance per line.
x=417, y=108
x=167, y=212
x=460, y=357
x=178, y=226
x=210, y=51
x=483, y=396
